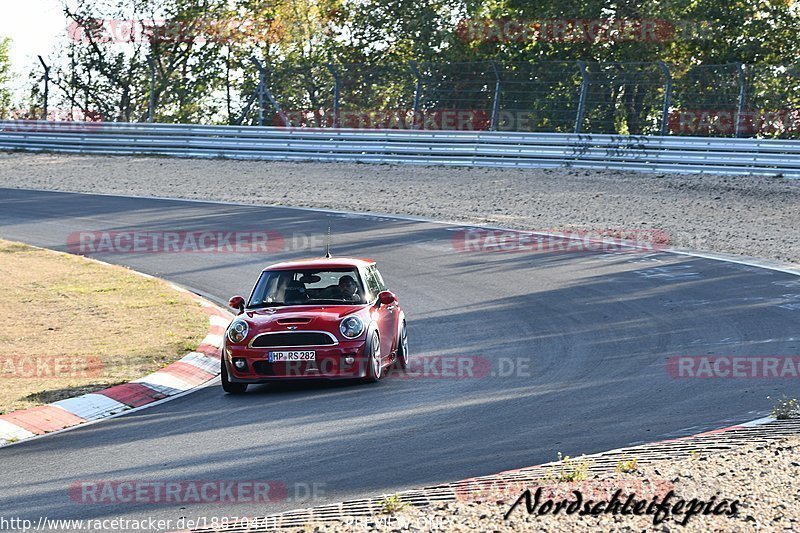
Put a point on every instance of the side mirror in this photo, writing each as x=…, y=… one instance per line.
x=237, y=302
x=386, y=298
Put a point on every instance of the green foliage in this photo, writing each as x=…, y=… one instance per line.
x=625, y=465
x=5, y=76
x=569, y=470
x=392, y=504
x=786, y=408
x=201, y=53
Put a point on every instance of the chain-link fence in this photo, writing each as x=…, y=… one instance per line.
x=643, y=98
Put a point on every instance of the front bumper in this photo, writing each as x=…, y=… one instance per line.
x=329, y=364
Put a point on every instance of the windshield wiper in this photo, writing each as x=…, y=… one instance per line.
x=334, y=301
x=322, y=301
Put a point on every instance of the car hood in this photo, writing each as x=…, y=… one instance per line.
x=308, y=317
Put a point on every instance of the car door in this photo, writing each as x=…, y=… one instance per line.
x=385, y=315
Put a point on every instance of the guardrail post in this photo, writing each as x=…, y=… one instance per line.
x=151, y=104
x=667, y=96
x=336, y=82
x=582, y=98
x=742, y=99
x=417, y=92
x=46, y=86
x=496, y=102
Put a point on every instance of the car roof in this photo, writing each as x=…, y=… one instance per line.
x=322, y=263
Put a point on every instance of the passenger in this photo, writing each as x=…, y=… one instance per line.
x=295, y=293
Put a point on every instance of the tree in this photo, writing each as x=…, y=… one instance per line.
x=201, y=53
x=5, y=76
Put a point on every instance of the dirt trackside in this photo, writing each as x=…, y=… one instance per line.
x=753, y=216
x=761, y=479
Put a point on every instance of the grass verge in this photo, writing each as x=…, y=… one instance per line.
x=72, y=326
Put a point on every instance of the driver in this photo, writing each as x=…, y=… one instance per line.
x=348, y=288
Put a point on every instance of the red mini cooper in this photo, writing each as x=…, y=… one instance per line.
x=318, y=318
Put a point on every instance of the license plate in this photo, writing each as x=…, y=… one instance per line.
x=307, y=355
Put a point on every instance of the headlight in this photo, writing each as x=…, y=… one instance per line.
x=351, y=327
x=238, y=331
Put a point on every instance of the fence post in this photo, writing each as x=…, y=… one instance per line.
x=496, y=103
x=417, y=92
x=742, y=99
x=582, y=98
x=336, y=82
x=275, y=105
x=261, y=83
x=151, y=104
x=46, y=86
x=246, y=109
x=667, y=96
x=262, y=91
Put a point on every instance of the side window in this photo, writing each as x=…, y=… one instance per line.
x=373, y=284
x=379, y=278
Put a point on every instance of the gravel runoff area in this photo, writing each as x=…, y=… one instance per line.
x=763, y=478
x=750, y=216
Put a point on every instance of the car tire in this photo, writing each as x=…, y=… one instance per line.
x=227, y=386
x=374, y=363
x=402, y=347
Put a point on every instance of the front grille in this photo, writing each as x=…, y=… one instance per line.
x=291, y=369
x=293, y=338
x=264, y=368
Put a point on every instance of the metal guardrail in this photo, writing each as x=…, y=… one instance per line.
x=423, y=147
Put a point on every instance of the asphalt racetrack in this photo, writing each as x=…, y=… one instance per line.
x=577, y=342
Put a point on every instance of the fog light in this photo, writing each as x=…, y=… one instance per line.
x=349, y=360
x=240, y=364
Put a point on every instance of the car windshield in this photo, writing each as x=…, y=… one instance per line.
x=308, y=287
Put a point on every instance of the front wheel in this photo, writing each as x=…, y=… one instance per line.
x=374, y=363
x=402, y=347
x=227, y=386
